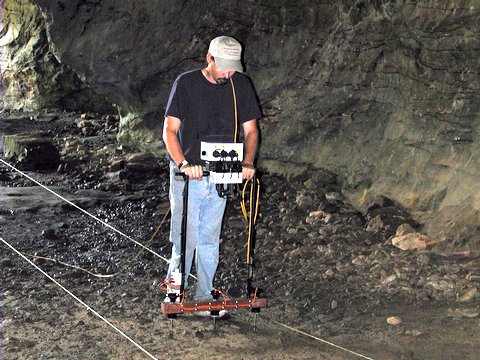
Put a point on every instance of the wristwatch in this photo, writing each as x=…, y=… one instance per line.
x=182, y=163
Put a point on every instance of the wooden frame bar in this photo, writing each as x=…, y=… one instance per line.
x=192, y=306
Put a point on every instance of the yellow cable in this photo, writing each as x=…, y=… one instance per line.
x=258, y=202
x=251, y=216
x=242, y=203
x=250, y=224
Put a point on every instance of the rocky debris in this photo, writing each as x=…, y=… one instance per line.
x=413, y=241
x=89, y=127
x=31, y=152
x=363, y=105
x=324, y=252
x=322, y=248
x=111, y=123
x=385, y=216
x=91, y=124
x=319, y=268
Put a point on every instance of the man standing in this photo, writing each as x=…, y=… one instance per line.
x=204, y=105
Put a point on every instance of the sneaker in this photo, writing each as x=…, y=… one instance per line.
x=202, y=313
x=223, y=314
x=167, y=299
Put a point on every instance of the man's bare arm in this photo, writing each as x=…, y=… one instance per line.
x=250, y=130
x=171, y=126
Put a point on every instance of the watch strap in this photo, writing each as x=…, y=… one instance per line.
x=182, y=163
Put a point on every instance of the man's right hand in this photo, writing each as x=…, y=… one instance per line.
x=193, y=171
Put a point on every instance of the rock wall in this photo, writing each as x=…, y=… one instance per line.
x=384, y=94
x=391, y=104
x=32, y=76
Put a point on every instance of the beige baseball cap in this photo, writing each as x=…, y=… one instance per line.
x=227, y=53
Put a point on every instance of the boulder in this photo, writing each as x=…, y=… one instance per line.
x=31, y=152
x=404, y=229
x=141, y=164
x=413, y=241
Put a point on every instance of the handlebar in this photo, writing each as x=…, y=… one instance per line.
x=185, y=177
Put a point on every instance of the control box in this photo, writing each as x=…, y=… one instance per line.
x=223, y=161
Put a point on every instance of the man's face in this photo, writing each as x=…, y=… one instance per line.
x=221, y=77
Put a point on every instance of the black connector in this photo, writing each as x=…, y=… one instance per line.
x=215, y=294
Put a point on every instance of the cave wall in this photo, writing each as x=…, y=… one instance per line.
x=32, y=76
x=390, y=103
x=384, y=94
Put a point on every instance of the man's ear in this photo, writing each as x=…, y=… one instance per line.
x=209, y=58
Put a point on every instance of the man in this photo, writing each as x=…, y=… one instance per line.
x=202, y=106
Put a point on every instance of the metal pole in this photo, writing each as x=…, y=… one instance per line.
x=183, y=236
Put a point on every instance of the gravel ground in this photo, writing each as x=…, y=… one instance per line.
x=325, y=267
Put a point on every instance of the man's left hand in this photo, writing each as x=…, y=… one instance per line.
x=248, y=171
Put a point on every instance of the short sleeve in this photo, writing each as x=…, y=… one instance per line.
x=173, y=104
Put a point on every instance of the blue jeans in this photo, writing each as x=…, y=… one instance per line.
x=204, y=222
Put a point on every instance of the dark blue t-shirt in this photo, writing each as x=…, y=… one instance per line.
x=207, y=110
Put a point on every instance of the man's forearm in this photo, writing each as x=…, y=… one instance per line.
x=251, y=144
x=171, y=127
x=173, y=146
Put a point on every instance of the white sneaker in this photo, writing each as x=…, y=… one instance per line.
x=223, y=314
x=167, y=299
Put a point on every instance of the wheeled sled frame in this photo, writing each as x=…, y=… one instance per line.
x=252, y=301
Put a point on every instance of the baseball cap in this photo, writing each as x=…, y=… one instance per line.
x=227, y=53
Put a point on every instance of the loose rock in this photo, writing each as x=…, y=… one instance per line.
x=467, y=295
x=413, y=241
x=394, y=320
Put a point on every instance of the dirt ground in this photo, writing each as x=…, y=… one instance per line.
x=43, y=323
x=40, y=321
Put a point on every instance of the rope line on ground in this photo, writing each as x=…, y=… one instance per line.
x=89, y=308
x=86, y=212
x=168, y=261
x=116, y=273
x=316, y=338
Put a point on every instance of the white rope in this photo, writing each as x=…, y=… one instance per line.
x=168, y=261
x=85, y=211
x=80, y=301
x=317, y=338
x=89, y=214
